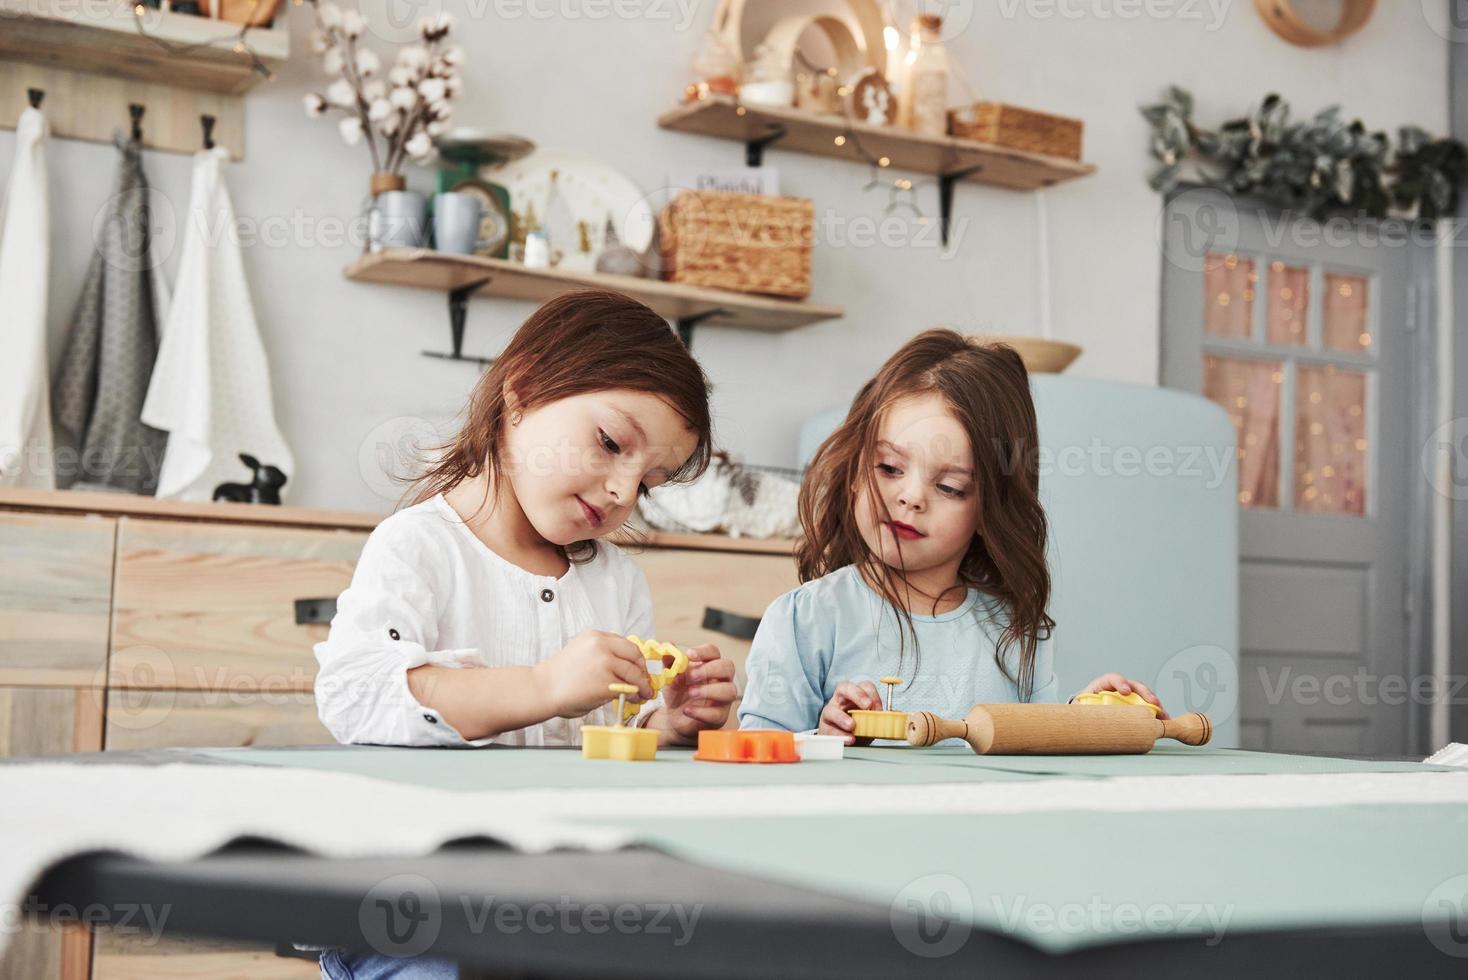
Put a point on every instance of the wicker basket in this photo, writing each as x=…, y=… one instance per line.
x=746, y=243
x=1019, y=129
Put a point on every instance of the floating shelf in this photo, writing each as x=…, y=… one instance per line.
x=948, y=158
x=104, y=38
x=684, y=305
x=814, y=132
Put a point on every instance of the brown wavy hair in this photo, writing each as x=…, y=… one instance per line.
x=987, y=388
x=579, y=342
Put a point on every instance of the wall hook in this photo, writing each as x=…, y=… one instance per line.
x=35, y=95
x=136, y=110
x=458, y=313
x=206, y=122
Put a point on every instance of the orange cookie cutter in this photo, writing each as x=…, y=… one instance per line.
x=754, y=745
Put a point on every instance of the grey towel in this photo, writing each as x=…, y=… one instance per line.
x=97, y=400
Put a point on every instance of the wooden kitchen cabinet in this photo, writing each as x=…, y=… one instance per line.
x=55, y=597
x=211, y=607
x=134, y=623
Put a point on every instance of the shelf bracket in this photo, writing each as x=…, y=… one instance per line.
x=458, y=313
x=945, y=195
x=754, y=150
x=685, y=324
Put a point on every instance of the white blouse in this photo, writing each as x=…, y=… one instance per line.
x=427, y=591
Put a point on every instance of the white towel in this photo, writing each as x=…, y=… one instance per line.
x=26, y=459
x=211, y=385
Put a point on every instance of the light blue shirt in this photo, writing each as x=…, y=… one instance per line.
x=837, y=628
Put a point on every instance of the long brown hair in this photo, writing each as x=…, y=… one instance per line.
x=579, y=342
x=987, y=388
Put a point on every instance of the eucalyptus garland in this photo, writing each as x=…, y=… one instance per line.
x=1325, y=167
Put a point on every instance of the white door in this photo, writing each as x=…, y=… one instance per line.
x=1301, y=333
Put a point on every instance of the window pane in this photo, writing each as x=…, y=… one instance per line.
x=1249, y=391
x=1228, y=291
x=1289, y=298
x=1344, y=310
x=1330, y=441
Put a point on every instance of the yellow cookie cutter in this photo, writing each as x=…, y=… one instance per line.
x=1116, y=697
x=672, y=660
x=616, y=741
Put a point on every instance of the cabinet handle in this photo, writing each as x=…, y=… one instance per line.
x=730, y=624
x=312, y=611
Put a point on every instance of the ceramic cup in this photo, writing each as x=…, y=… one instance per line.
x=398, y=219
x=456, y=222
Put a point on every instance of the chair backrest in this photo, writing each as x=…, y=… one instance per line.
x=1139, y=487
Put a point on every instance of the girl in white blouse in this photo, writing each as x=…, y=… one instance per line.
x=488, y=611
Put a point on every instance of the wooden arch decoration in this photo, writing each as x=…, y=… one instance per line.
x=747, y=22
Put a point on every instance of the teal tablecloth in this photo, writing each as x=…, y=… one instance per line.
x=1059, y=880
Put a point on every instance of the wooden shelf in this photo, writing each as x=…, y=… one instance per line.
x=428, y=269
x=104, y=38
x=131, y=505
x=809, y=132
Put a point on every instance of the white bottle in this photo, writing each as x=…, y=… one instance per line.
x=923, y=103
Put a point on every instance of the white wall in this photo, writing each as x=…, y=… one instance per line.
x=345, y=356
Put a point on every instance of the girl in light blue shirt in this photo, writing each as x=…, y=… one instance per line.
x=923, y=554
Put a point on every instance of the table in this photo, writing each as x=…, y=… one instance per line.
x=749, y=923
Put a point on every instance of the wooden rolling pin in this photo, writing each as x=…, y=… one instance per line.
x=1058, y=729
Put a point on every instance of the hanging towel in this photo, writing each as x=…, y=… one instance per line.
x=211, y=387
x=102, y=442
x=25, y=256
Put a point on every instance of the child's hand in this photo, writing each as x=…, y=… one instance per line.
x=575, y=680
x=835, y=719
x=698, y=698
x=1122, y=685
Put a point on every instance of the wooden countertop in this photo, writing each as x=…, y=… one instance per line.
x=131, y=505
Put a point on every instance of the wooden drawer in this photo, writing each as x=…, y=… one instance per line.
x=40, y=721
x=55, y=595
x=212, y=607
x=50, y=721
x=684, y=583
x=140, y=956
x=144, y=719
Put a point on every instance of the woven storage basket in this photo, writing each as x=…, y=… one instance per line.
x=746, y=243
x=1019, y=129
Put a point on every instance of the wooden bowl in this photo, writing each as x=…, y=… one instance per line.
x=1040, y=356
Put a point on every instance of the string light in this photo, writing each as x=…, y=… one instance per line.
x=238, y=43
